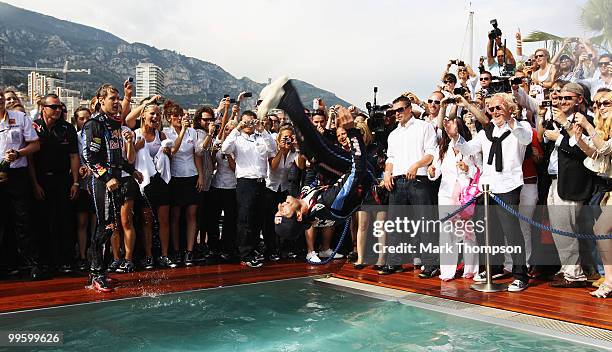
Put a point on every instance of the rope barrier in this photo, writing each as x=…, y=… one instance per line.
x=460, y=209
x=545, y=227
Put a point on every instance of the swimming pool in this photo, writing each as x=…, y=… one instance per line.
x=289, y=315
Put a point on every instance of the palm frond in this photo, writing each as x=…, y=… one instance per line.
x=539, y=36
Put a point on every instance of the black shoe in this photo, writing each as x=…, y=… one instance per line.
x=99, y=283
x=189, y=258
x=274, y=257
x=359, y=266
x=390, y=269
x=114, y=265
x=148, y=263
x=36, y=273
x=258, y=256
x=178, y=259
x=291, y=255
x=66, y=268
x=251, y=262
x=429, y=272
x=377, y=267
x=225, y=256
x=126, y=267
x=352, y=257
x=81, y=264
x=165, y=262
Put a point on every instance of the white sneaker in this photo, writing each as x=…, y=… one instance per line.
x=312, y=257
x=327, y=253
x=482, y=277
x=517, y=286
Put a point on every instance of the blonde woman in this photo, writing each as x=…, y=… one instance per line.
x=599, y=151
x=546, y=72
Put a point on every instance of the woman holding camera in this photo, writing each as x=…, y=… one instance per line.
x=223, y=188
x=187, y=177
x=277, y=185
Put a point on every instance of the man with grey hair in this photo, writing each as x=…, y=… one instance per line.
x=566, y=195
x=503, y=143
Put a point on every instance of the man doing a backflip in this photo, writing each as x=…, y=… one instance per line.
x=324, y=205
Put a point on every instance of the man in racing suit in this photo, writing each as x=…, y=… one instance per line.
x=103, y=155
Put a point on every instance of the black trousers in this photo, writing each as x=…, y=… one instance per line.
x=503, y=225
x=250, y=197
x=56, y=220
x=206, y=216
x=412, y=199
x=224, y=200
x=16, y=207
x=272, y=199
x=108, y=208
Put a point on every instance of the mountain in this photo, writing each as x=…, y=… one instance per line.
x=35, y=40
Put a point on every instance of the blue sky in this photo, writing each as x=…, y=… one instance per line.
x=343, y=46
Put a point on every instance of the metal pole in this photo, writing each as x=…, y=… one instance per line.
x=488, y=286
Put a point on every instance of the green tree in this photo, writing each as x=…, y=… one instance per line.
x=595, y=16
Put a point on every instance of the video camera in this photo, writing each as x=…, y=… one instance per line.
x=376, y=122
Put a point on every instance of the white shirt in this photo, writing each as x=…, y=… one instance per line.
x=450, y=173
x=250, y=151
x=224, y=177
x=15, y=131
x=513, y=154
x=408, y=144
x=277, y=179
x=182, y=163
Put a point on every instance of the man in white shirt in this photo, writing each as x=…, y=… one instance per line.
x=18, y=139
x=503, y=143
x=411, y=148
x=250, y=144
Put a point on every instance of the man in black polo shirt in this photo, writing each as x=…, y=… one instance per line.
x=55, y=183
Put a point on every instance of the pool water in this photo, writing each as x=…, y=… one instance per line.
x=291, y=315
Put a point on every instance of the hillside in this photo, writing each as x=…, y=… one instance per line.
x=32, y=39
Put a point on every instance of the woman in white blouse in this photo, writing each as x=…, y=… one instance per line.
x=187, y=176
x=456, y=171
x=599, y=151
x=157, y=192
x=224, y=196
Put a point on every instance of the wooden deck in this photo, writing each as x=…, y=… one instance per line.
x=20, y=295
x=569, y=304
x=572, y=305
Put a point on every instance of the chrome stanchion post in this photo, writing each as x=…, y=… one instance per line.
x=488, y=286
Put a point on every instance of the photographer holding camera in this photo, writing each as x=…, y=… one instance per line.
x=251, y=145
x=503, y=55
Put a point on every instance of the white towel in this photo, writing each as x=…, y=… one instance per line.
x=145, y=165
x=162, y=161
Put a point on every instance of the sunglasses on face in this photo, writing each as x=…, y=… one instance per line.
x=399, y=110
x=556, y=90
x=431, y=101
x=603, y=104
x=54, y=106
x=539, y=56
x=485, y=78
x=495, y=108
x=567, y=97
x=603, y=63
x=448, y=82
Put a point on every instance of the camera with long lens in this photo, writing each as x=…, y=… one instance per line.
x=377, y=113
x=495, y=32
x=500, y=84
